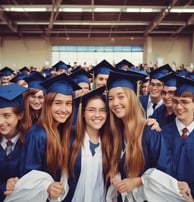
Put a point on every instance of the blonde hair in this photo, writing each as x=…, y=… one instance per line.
x=134, y=160
x=57, y=152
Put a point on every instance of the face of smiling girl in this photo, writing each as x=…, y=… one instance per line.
x=61, y=107
x=9, y=121
x=95, y=114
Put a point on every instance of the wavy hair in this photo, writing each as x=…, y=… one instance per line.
x=80, y=129
x=134, y=161
x=57, y=152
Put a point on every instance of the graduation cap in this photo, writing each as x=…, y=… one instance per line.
x=160, y=71
x=11, y=96
x=182, y=72
x=118, y=79
x=135, y=72
x=184, y=85
x=47, y=72
x=19, y=77
x=80, y=75
x=24, y=70
x=60, y=84
x=60, y=65
x=169, y=79
x=123, y=63
x=191, y=75
x=104, y=67
x=34, y=80
x=85, y=97
x=6, y=71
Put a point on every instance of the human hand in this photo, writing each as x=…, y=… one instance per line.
x=55, y=189
x=154, y=124
x=185, y=191
x=127, y=184
x=10, y=185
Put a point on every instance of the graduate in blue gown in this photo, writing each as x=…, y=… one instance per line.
x=135, y=147
x=165, y=113
x=182, y=145
x=82, y=78
x=47, y=142
x=101, y=73
x=88, y=163
x=12, y=131
x=153, y=100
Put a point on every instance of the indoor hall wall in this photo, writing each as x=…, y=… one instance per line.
x=173, y=50
x=17, y=53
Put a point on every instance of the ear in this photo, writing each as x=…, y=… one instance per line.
x=20, y=115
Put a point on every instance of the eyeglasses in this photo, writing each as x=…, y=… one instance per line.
x=165, y=92
x=157, y=85
x=36, y=97
x=181, y=102
x=93, y=111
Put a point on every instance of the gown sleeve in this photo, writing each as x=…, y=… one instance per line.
x=156, y=151
x=35, y=150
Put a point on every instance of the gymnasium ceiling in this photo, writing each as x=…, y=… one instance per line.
x=96, y=18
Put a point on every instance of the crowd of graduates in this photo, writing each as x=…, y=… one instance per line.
x=105, y=133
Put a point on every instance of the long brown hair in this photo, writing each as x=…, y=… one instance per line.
x=57, y=153
x=134, y=161
x=80, y=133
x=29, y=114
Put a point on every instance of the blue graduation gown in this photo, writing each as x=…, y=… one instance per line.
x=156, y=153
x=73, y=180
x=10, y=167
x=75, y=113
x=161, y=117
x=35, y=151
x=183, y=153
x=144, y=101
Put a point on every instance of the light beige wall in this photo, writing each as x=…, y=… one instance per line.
x=17, y=53
x=170, y=50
